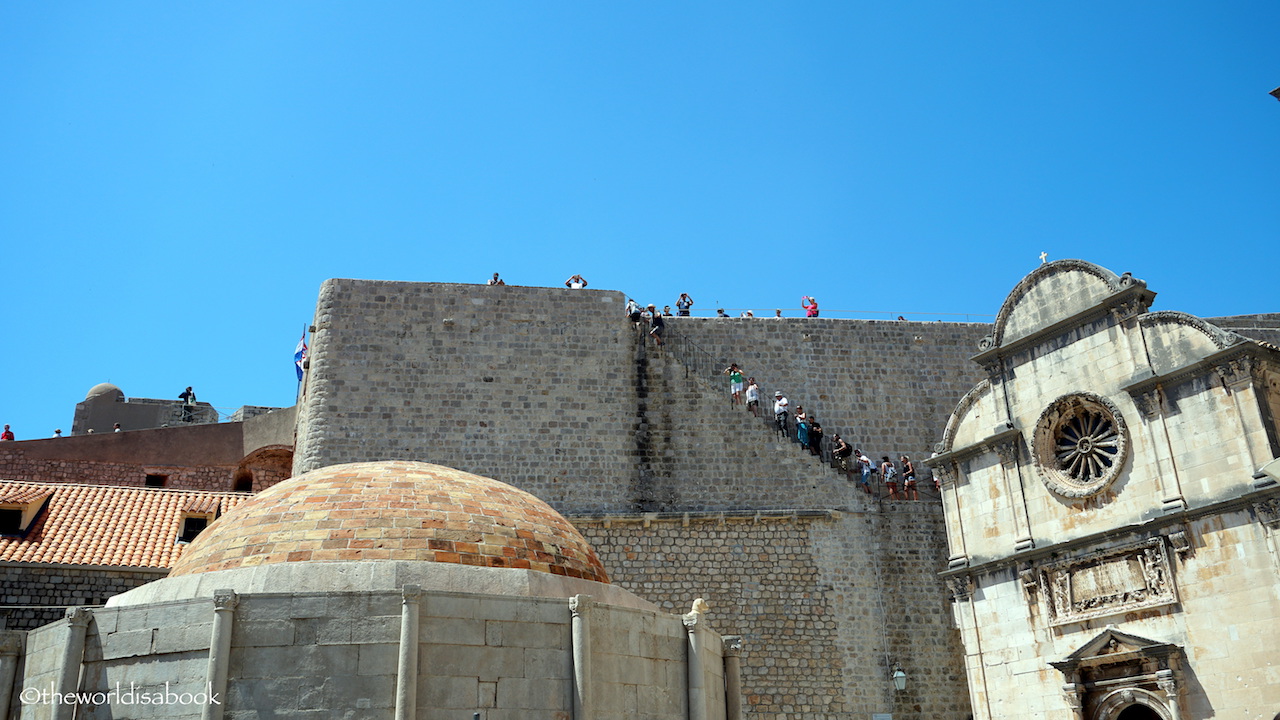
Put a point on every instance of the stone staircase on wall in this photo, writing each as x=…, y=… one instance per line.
x=697, y=451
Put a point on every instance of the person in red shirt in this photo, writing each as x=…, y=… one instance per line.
x=810, y=305
x=7, y=434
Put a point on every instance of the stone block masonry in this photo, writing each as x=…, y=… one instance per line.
x=550, y=390
x=36, y=594
x=824, y=602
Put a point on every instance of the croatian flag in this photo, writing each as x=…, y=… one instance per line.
x=300, y=354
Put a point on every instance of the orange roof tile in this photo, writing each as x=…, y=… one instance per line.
x=107, y=525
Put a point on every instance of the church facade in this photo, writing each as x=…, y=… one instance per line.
x=1113, y=511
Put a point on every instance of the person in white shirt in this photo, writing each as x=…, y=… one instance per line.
x=577, y=282
x=780, y=406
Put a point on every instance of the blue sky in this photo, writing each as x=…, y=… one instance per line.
x=177, y=179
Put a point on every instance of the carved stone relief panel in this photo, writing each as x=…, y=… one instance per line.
x=1109, y=582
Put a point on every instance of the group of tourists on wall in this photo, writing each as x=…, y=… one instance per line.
x=899, y=478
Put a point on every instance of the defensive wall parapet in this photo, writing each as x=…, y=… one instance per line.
x=552, y=391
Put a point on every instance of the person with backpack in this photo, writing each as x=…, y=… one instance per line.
x=889, y=474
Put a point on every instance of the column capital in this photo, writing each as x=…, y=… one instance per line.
x=580, y=605
x=732, y=645
x=225, y=600
x=411, y=594
x=79, y=616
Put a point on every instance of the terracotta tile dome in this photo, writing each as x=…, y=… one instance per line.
x=394, y=511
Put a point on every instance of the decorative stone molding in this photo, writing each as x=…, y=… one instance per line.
x=1180, y=542
x=732, y=645
x=79, y=616
x=1268, y=512
x=580, y=605
x=1110, y=582
x=1221, y=338
x=1150, y=403
x=1236, y=371
x=1008, y=452
x=1080, y=445
x=961, y=587
x=225, y=600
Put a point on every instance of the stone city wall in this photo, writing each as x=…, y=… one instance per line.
x=886, y=386
x=824, y=601
x=551, y=391
x=45, y=591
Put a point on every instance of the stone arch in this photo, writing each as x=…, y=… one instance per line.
x=1117, y=702
x=263, y=468
x=1108, y=283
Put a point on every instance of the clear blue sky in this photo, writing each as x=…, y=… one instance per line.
x=178, y=178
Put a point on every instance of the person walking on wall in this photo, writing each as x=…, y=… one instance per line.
x=865, y=467
x=802, y=426
x=577, y=282
x=889, y=474
x=780, y=406
x=810, y=306
x=633, y=313
x=735, y=383
x=753, y=397
x=656, y=325
x=815, y=437
x=841, y=451
x=683, y=304
x=7, y=434
x=909, y=490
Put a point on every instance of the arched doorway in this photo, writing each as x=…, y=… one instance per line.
x=1138, y=712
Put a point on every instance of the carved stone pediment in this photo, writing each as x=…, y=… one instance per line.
x=1108, y=582
x=1116, y=669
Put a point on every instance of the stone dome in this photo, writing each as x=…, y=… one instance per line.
x=101, y=388
x=394, y=511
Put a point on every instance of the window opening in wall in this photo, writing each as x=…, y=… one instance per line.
x=243, y=483
x=191, y=527
x=156, y=481
x=10, y=521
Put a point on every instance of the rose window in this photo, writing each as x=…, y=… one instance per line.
x=1087, y=445
x=1080, y=445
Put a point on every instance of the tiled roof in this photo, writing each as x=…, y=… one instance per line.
x=105, y=525
x=22, y=493
x=394, y=511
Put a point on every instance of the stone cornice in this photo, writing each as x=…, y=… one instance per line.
x=1154, y=525
x=1201, y=367
x=1131, y=299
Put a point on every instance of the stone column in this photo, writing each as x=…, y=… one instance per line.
x=10, y=647
x=697, y=678
x=224, y=612
x=72, y=656
x=407, y=669
x=732, y=677
x=1168, y=684
x=579, y=607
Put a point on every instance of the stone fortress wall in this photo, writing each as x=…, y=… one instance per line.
x=682, y=494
